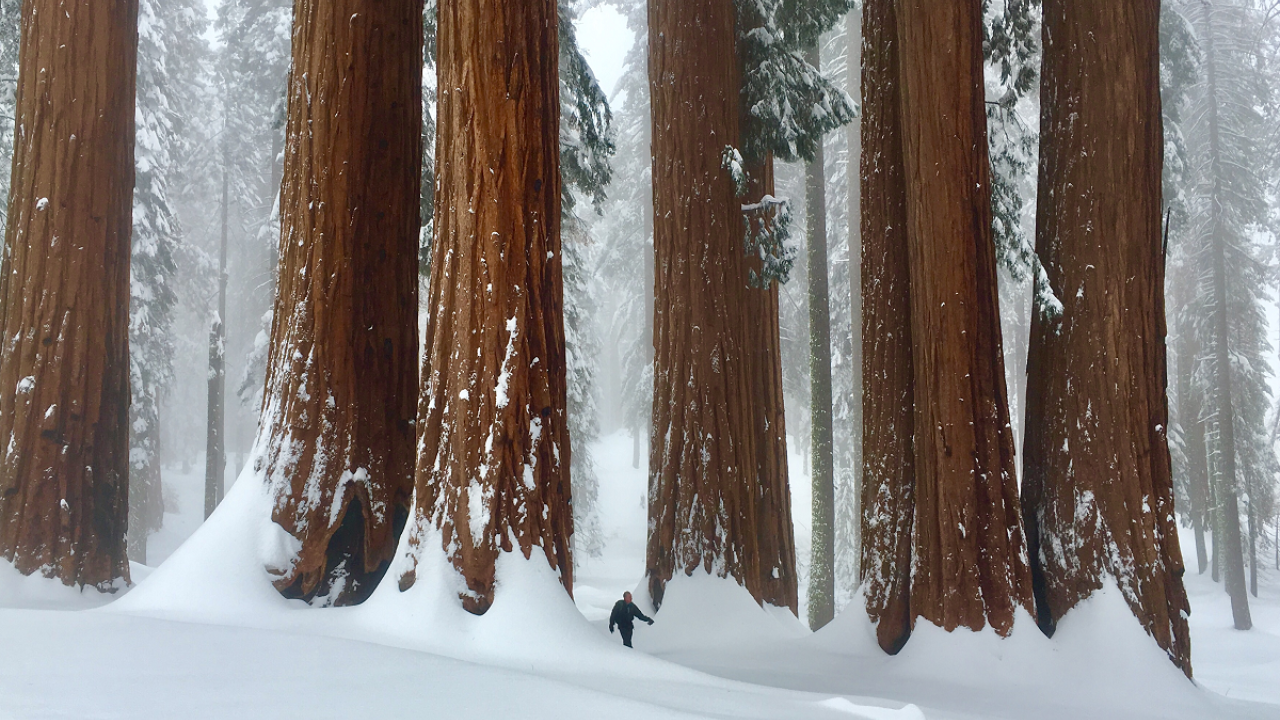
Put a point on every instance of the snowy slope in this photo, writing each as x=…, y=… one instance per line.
x=205, y=636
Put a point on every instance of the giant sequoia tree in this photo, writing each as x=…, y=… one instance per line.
x=730, y=91
x=1097, y=490
x=938, y=452
x=336, y=438
x=493, y=454
x=702, y=457
x=888, y=390
x=64, y=294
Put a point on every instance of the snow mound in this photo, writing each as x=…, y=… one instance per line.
x=1100, y=656
x=220, y=573
x=702, y=610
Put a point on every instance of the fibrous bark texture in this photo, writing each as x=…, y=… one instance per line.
x=1097, y=486
x=969, y=564
x=703, y=460
x=64, y=295
x=822, y=568
x=888, y=389
x=774, y=537
x=337, y=435
x=493, y=454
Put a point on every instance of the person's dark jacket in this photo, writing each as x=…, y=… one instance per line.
x=622, y=614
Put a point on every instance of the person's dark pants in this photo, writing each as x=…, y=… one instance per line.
x=626, y=634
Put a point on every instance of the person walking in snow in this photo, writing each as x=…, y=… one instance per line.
x=623, y=612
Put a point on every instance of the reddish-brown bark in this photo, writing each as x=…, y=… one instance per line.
x=64, y=295
x=775, y=539
x=888, y=409
x=337, y=431
x=1097, y=489
x=969, y=566
x=493, y=455
x=703, y=460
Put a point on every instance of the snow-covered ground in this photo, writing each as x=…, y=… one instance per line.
x=204, y=636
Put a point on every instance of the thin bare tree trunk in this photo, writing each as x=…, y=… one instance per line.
x=215, y=458
x=703, y=460
x=822, y=570
x=969, y=566
x=493, y=456
x=64, y=295
x=853, y=170
x=1097, y=485
x=887, y=377
x=337, y=435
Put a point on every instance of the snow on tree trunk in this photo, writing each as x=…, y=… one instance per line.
x=969, y=559
x=703, y=464
x=822, y=571
x=336, y=439
x=64, y=295
x=888, y=390
x=775, y=539
x=493, y=472
x=1097, y=486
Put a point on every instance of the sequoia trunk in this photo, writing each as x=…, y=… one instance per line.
x=1097, y=486
x=774, y=540
x=64, y=295
x=888, y=380
x=493, y=454
x=703, y=460
x=337, y=437
x=969, y=565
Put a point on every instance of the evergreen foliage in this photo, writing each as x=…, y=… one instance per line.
x=169, y=58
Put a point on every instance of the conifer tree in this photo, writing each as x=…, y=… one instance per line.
x=64, y=295
x=938, y=447
x=1230, y=203
x=586, y=146
x=337, y=434
x=169, y=56
x=888, y=388
x=493, y=446
x=730, y=92
x=1097, y=489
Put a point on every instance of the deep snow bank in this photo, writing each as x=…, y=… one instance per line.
x=1099, y=657
x=702, y=610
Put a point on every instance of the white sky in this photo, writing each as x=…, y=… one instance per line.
x=605, y=40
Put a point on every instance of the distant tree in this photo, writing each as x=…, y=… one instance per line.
x=1097, y=492
x=10, y=30
x=1229, y=201
x=336, y=439
x=822, y=569
x=586, y=147
x=169, y=61
x=493, y=447
x=1179, y=73
x=64, y=295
